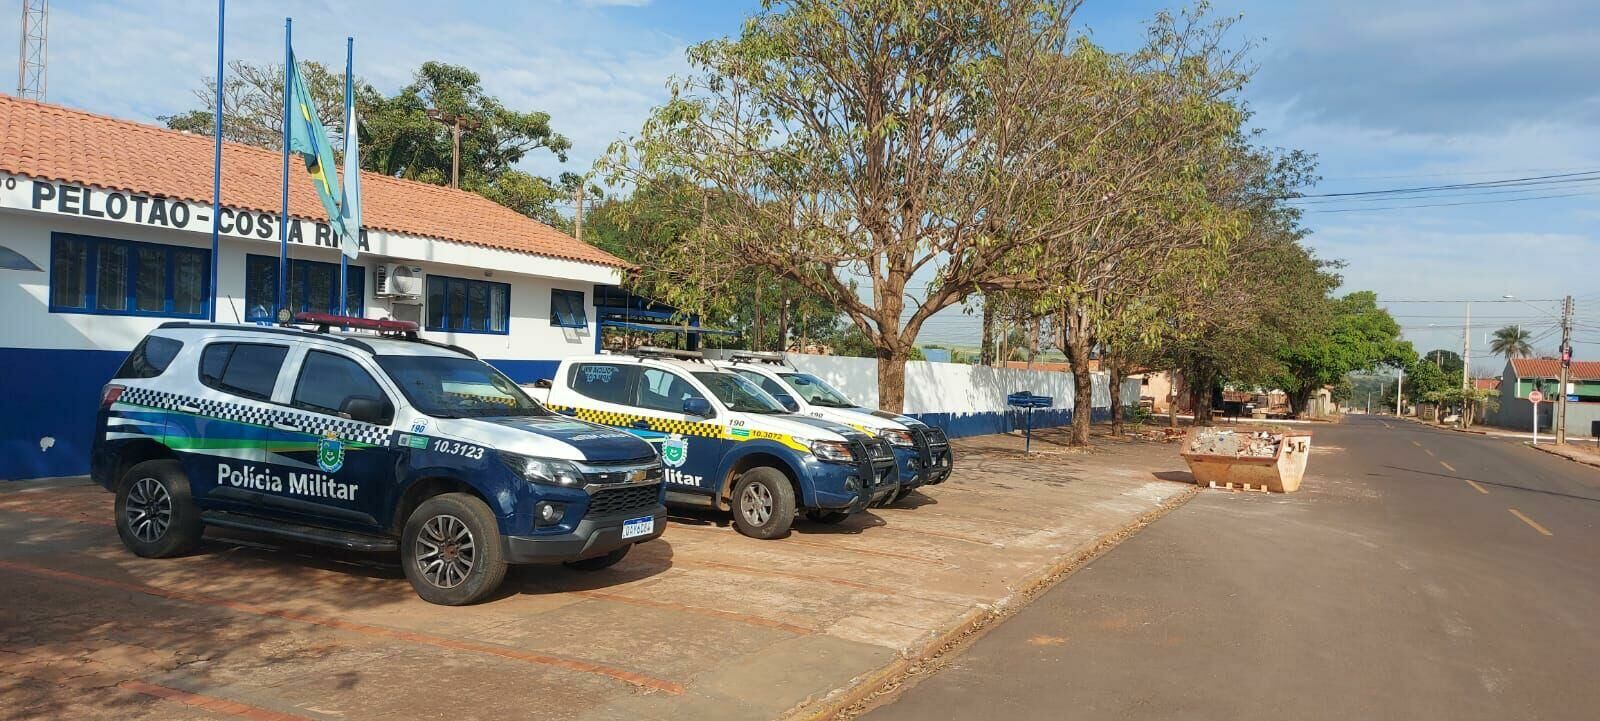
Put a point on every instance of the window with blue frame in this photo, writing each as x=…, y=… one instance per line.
x=460, y=305
x=109, y=276
x=566, y=309
x=313, y=287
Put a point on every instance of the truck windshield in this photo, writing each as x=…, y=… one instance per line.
x=454, y=387
x=739, y=394
x=812, y=390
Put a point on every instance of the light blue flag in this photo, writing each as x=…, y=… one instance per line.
x=350, y=241
x=309, y=139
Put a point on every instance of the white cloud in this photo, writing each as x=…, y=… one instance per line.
x=617, y=3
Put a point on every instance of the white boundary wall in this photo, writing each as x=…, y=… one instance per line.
x=947, y=387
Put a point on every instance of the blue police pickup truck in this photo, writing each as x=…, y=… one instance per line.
x=368, y=439
x=726, y=443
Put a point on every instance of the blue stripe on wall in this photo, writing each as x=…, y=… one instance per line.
x=960, y=425
x=50, y=400
x=526, y=371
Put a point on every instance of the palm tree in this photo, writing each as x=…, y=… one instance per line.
x=1511, y=342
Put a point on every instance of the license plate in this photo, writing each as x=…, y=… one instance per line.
x=633, y=528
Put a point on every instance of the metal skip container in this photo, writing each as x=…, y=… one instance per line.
x=1272, y=460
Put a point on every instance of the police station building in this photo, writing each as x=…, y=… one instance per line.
x=105, y=233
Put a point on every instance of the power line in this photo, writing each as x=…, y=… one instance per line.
x=1461, y=193
x=1448, y=205
x=1453, y=174
x=1504, y=182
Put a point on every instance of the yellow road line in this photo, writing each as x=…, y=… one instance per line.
x=1414, y=443
x=1429, y=452
x=1530, y=522
x=1474, y=484
x=1448, y=467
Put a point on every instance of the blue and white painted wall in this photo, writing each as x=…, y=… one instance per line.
x=66, y=326
x=965, y=400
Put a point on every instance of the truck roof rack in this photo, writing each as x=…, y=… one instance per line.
x=319, y=328
x=647, y=351
x=750, y=356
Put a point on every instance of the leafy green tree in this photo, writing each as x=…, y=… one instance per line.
x=1512, y=341
x=1355, y=334
x=1448, y=361
x=875, y=141
x=252, y=103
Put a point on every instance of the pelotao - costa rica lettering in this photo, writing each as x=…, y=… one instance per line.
x=311, y=485
x=69, y=199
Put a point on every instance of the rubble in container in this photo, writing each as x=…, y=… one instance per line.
x=1220, y=442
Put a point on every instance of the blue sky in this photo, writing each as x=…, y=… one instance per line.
x=1393, y=93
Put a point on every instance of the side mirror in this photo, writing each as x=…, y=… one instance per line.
x=788, y=402
x=697, y=407
x=366, y=409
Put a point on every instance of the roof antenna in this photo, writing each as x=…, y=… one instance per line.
x=32, y=53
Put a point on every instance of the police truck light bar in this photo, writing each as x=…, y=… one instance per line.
x=324, y=321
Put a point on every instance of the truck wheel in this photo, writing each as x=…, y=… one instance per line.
x=450, y=550
x=763, y=503
x=156, y=516
x=828, y=517
x=600, y=562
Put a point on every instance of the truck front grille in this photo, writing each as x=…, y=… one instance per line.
x=618, y=501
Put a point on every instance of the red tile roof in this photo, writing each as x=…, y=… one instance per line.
x=57, y=143
x=1551, y=368
x=1490, y=384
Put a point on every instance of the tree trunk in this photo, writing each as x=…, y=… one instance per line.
x=1033, y=341
x=757, y=343
x=986, y=348
x=1114, y=381
x=1174, y=388
x=1075, y=343
x=892, y=379
x=783, y=326
x=1199, y=387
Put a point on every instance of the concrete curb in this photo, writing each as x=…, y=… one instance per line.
x=1552, y=451
x=858, y=697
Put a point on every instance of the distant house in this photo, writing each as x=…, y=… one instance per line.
x=1523, y=375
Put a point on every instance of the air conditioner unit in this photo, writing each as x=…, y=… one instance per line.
x=396, y=280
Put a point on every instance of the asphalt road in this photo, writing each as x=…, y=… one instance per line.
x=1419, y=574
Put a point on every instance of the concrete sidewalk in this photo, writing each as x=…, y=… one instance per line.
x=703, y=624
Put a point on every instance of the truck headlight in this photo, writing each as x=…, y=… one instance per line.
x=546, y=471
x=898, y=437
x=832, y=451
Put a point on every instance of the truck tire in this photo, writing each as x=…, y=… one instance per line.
x=828, y=517
x=156, y=516
x=450, y=550
x=763, y=503
x=599, y=563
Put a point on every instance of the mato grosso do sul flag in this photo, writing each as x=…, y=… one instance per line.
x=309, y=139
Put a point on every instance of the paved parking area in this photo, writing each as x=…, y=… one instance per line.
x=702, y=624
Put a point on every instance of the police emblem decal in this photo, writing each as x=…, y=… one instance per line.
x=330, y=453
x=675, y=450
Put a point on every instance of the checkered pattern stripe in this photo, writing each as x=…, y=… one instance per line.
x=625, y=420
x=313, y=423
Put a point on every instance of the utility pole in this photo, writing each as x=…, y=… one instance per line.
x=455, y=122
x=1566, y=370
x=1399, y=393
x=578, y=219
x=1466, y=358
